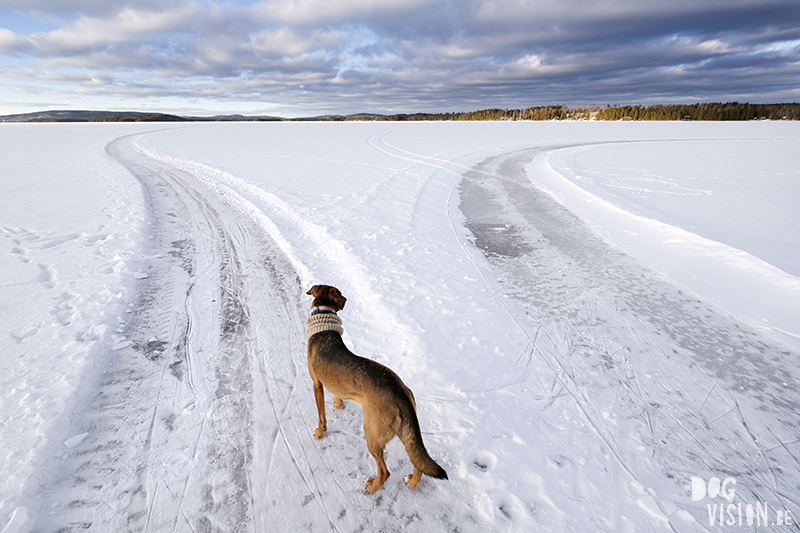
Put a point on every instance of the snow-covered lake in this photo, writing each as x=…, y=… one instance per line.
x=589, y=314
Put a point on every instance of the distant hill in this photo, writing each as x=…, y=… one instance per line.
x=140, y=117
x=56, y=116
x=91, y=116
x=127, y=116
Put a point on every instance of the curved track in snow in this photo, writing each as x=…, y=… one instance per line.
x=627, y=345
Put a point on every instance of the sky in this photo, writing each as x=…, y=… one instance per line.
x=295, y=58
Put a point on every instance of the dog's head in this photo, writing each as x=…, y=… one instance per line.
x=327, y=296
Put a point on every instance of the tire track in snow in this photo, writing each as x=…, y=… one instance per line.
x=606, y=325
x=170, y=441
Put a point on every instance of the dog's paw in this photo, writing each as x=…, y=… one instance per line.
x=413, y=479
x=320, y=432
x=374, y=483
x=338, y=403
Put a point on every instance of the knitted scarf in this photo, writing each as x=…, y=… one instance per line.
x=323, y=322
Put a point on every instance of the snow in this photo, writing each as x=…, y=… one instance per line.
x=712, y=214
x=590, y=315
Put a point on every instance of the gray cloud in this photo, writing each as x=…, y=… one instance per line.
x=409, y=55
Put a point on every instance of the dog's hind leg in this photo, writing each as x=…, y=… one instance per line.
x=319, y=396
x=377, y=437
x=374, y=483
x=338, y=403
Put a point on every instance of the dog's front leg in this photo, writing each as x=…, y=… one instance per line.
x=319, y=396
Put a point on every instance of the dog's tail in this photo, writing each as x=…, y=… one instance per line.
x=411, y=437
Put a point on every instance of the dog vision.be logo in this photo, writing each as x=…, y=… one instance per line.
x=735, y=514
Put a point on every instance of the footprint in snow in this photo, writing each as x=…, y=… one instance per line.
x=483, y=460
x=21, y=253
x=47, y=276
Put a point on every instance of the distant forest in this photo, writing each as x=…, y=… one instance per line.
x=712, y=111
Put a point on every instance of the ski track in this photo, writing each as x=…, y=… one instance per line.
x=203, y=414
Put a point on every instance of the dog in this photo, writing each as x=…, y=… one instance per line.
x=388, y=405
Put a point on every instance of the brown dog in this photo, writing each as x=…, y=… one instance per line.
x=388, y=405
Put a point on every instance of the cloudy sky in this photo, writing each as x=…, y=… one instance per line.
x=307, y=57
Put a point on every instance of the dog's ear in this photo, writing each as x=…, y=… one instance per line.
x=335, y=295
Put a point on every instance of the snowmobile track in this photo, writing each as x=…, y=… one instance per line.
x=610, y=323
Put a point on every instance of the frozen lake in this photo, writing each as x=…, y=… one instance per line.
x=589, y=314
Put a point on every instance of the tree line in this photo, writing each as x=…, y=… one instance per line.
x=707, y=111
x=712, y=111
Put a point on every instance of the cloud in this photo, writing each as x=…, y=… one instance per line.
x=410, y=54
x=70, y=9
